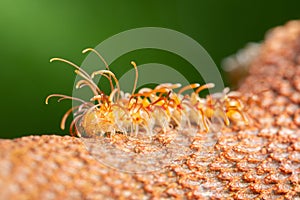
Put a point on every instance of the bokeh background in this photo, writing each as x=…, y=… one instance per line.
x=32, y=32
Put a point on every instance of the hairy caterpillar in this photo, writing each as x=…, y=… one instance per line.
x=148, y=111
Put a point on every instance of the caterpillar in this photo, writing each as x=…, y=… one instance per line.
x=148, y=111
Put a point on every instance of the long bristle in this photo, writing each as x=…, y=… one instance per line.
x=136, y=76
x=98, y=54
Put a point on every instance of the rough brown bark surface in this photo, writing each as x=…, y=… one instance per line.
x=258, y=161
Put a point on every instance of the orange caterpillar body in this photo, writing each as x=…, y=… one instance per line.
x=149, y=110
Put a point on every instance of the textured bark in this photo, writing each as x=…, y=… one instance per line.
x=258, y=161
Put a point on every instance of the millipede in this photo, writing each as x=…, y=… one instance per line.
x=148, y=111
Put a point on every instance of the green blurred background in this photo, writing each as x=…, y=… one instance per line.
x=34, y=31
